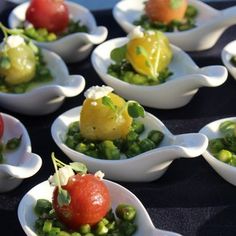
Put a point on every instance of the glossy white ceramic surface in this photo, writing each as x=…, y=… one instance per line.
x=228, y=51
x=45, y=98
x=74, y=47
x=226, y=171
x=176, y=92
x=210, y=23
x=20, y=163
x=118, y=195
x=145, y=167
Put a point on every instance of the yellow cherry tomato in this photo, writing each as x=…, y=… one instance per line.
x=100, y=122
x=23, y=65
x=149, y=54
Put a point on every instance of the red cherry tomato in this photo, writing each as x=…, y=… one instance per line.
x=50, y=14
x=1, y=126
x=90, y=201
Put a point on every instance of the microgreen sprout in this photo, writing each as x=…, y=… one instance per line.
x=63, y=197
x=134, y=109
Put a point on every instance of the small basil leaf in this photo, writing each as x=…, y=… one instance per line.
x=106, y=101
x=135, y=110
x=79, y=167
x=118, y=54
x=63, y=197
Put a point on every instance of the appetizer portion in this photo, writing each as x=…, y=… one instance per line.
x=21, y=63
x=81, y=206
x=108, y=128
x=224, y=148
x=8, y=145
x=143, y=60
x=48, y=20
x=168, y=15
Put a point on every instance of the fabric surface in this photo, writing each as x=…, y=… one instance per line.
x=190, y=198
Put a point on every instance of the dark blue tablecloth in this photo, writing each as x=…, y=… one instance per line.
x=190, y=198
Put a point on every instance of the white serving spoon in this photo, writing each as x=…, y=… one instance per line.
x=145, y=167
x=118, y=195
x=210, y=23
x=228, y=51
x=176, y=92
x=20, y=163
x=225, y=170
x=74, y=47
x=45, y=98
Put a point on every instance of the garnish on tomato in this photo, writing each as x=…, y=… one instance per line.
x=50, y=14
x=166, y=10
x=90, y=201
x=81, y=198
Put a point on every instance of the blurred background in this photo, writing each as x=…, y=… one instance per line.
x=94, y=4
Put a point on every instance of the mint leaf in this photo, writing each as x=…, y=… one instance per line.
x=63, y=197
x=135, y=109
x=108, y=102
x=175, y=4
x=79, y=167
x=118, y=54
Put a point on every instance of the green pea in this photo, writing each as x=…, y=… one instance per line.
x=191, y=12
x=156, y=136
x=127, y=228
x=43, y=206
x=133, y=150
x=84, y=229
x=109, y=150
x=54, y=231
x=70, y=142
x=75, y=234
x=126, y=212
x=138, y=126
x=47, y=226
x=82, y=147
x=227, y=128
x=224, y=156
x=147, y=144
x=132, y=136
x=64, y=233
x=215, y=145
x=101, y=228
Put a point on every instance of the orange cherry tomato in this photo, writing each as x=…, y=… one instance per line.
x=90, y=201
x=50, y=14
x=166, y=10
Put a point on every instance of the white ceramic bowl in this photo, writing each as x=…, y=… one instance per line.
x=226, y=171
x=228, y=51
x=118, y=194
x=176, y=92
x=47, y=97
x=211, y=23
x=74, y=47
x=145, y=167
x=20, y=163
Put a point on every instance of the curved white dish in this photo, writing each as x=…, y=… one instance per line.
x=228, y=51
x=118, y=194
x=20, y=163
x=74, y=47
x=145, y=167
x=176, y=92
x=211, y=23
x=48, y=97
x=226, y=171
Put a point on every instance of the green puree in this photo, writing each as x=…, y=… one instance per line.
x=187, y=23
x=224, y=148
x=121, y=222
x=123, y=70
x=131, y=146
x=42, y=35
x=42, y=75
